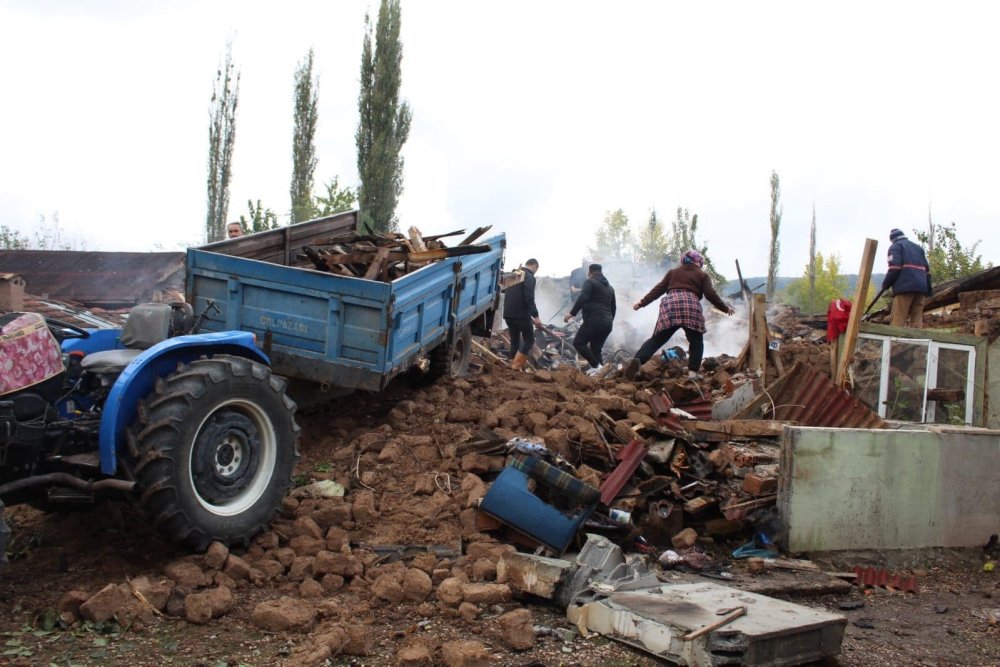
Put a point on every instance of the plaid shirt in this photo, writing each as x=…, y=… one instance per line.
x=680, y=308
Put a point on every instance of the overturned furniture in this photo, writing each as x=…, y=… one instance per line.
x=511, y=501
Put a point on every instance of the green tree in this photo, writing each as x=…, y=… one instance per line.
x=651, y=245
x=947, y=256
x=776, y=211
x=683, y=237
x=335, y=200
x=221, y=139
x=260, y=219
x=614, y=238
x=829, y=285
x=47, y=235
x=811, y=271
x=303, y=136
x=384, y=123
x=12, y=239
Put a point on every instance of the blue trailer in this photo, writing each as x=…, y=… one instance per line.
x=338, y=331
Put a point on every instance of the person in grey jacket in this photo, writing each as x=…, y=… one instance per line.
x=597, y=303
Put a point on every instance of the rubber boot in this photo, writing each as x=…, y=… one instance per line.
x=519, y=362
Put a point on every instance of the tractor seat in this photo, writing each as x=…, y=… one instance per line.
x=147, y=325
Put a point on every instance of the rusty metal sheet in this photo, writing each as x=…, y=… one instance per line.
x=701, y=409
x=630, y=456
x=805, y=396
x=74, y=313
x=869, y=576
x=661, y=404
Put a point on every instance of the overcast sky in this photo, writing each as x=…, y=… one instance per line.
x=535, y=117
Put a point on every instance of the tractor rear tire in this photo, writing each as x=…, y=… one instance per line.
x=212, y=451
x=451, y=360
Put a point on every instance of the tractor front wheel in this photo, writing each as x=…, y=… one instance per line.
x=212, y=451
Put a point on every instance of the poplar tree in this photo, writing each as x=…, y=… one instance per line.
x=303, y=136
x=652, y=244
x=221, y=138
x=772, y=262
x=384, y=123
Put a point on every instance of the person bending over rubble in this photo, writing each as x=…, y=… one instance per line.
x=909, y=276
x=680, y=308
x=520, y=312
x=597, y=301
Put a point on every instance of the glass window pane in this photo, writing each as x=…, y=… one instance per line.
x=868, y=371
x=907, y=379
x=952, y=380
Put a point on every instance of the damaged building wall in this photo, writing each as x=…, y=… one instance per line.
x=859, y=489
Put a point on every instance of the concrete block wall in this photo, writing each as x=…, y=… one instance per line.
x=858, y=489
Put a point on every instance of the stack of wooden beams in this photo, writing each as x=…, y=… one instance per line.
x=388, y=256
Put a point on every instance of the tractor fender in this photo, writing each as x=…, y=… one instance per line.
x=139, y=377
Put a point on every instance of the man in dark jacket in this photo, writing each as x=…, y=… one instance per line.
x=597, y=302
x=909, y=276
x=520, y=313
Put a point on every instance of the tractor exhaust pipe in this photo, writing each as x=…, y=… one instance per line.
x=65, y=479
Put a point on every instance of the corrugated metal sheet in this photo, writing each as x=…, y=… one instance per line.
x=702, y=409
x=74, y=313
x=630, y=456
x=806, y=396
x=871, y=577
x=110, y=279
x=661, y=404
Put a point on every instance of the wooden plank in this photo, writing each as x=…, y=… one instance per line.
x=860, y=294
x=416, y=239
x=486, y=352
x=476, y=233
x=758, y=335
x=378, y=264
x=945, y=395
x=747, y=428
x=741, y=358
x=776, y=360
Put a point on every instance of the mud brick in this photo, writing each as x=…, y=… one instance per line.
x=759, y=485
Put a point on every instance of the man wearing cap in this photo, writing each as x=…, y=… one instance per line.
x=909, y=276
x=520, y=313
x=597, y=302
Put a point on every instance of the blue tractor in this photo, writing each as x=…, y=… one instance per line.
x=193, y=427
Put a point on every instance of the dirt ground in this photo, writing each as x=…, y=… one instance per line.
x=403, y=448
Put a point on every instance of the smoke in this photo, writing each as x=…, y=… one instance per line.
x=631, y=281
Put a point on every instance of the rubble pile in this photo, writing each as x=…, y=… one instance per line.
x=386, y=520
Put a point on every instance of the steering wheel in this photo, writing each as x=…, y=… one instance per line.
x=61, y=330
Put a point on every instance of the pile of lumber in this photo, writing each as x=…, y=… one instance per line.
x=388, y=256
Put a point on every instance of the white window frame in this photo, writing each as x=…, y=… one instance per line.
x=927, y=413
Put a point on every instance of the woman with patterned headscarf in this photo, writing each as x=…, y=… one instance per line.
x=680, y=308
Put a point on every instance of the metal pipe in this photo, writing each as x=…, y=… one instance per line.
x=66, y=479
